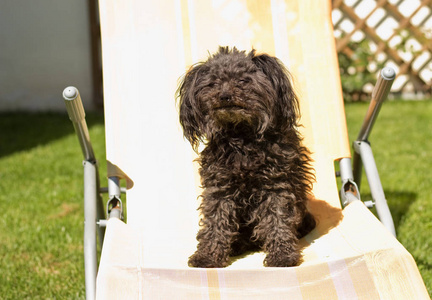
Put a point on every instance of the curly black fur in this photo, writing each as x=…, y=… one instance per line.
x=255, y=172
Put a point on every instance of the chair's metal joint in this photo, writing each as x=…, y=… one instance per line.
x=115, y=208
x=357, y=144
x=349, y=192
x=102, y=223
x=90, y=161
x=369, y=203
x=105, y=190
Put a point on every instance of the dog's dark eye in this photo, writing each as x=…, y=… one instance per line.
x=245, y=80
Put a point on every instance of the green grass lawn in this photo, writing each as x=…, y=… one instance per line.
x=41, y=194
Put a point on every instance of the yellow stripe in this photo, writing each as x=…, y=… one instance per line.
x=213, y=284
x=311, y=277
x=361, y=278
x=261, y=22
x=186, y=32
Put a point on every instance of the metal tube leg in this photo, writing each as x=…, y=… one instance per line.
x=90, y=215
x=365, y=151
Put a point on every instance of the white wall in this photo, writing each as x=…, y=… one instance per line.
x=44, y=47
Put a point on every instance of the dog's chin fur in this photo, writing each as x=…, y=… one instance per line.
x=255, y=173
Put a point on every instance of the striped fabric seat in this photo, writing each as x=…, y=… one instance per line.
x=147, y=46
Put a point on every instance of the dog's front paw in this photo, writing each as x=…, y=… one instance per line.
x=205, y=260
x=282, y=259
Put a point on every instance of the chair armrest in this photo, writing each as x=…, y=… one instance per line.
x=379, y=94
x=76, y=114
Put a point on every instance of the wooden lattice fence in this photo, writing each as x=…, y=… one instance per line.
x=396, y=33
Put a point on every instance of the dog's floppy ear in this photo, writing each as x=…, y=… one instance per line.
x=287, y=105
x=190, y=112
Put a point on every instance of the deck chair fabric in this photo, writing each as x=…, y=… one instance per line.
x=147, y=46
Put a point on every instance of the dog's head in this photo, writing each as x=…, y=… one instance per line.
x=235, y=92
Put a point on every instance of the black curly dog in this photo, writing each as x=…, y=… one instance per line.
x=255, y=173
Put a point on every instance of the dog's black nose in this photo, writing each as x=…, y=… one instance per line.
x=224, y=93
x=225, y=97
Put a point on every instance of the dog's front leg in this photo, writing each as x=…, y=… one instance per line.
x=218, y=230
x=277, y=231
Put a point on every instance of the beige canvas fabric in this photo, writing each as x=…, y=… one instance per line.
x=147, y=46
